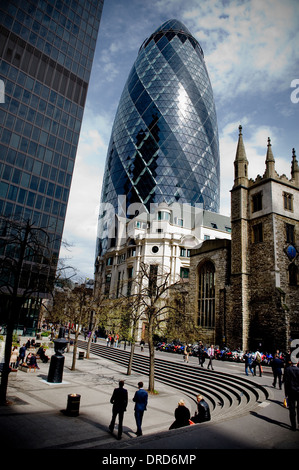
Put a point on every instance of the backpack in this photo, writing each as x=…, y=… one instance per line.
x=258, y=357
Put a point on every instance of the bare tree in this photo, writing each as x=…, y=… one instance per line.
x=99, y=309
x=79, y=304
x=130, y=318
x=27, y=271
x=121, y=315
x=152, y=302
x=156, y=302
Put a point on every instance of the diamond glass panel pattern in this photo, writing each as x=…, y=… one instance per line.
x=164, y=142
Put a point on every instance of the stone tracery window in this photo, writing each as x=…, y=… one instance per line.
x=206, y=295
x=288, y=201
x=257, y=201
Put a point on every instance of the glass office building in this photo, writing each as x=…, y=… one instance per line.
x=46, y=50
x=164, y=143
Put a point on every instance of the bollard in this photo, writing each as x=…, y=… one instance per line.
x=57, y=361
x=73, y=404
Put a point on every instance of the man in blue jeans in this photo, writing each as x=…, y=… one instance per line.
x=140, y=399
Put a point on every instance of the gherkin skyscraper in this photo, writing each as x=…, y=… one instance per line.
x=164, y=141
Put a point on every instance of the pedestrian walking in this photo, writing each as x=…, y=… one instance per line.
x=140, y=399
x=257, y=362
x=277, y=366
x=119, y=399
x=22, y=354
x=287, y=360
x=187, y=351
x=211, y=356
x=201, y=355
x=14, y=357
x=291, y=387
x=248, y=362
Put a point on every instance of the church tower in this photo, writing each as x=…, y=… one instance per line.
x=238, y=320
x=264, y=255
x=256, y=275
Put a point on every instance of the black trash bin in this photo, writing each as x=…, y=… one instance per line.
x=81, y=355
x=73, y=404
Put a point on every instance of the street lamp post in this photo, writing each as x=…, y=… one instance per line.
x=57, y=360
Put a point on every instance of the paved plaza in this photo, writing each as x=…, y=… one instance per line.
x=36, y=416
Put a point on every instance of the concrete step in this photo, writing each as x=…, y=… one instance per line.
x=226, y=394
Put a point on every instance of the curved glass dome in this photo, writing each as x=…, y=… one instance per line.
x=164, y=140
x=173, y=25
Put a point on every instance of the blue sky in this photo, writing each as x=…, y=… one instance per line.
x=251, y=50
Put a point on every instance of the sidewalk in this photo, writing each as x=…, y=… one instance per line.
x=36, y=417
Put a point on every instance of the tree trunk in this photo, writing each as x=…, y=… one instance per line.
x=75, y=350
x=14, y=311
x=129, y=370
x=68, y=347
x=89, y=342
x=151, y=385
x=7, y=355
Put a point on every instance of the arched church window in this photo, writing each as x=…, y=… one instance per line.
x=206, y=295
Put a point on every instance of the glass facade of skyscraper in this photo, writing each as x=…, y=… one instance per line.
x=46, y=50
x=164, y=142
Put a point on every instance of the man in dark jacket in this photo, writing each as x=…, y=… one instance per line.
x=203, y=411
x=201, y=354
x=119, y=400
x=291, y=387
x=22, y=354
x=277, y=366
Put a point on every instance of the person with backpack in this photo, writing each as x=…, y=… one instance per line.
x=257, y=362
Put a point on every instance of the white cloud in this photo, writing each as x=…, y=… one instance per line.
x=82, y=213
x=249, y=46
